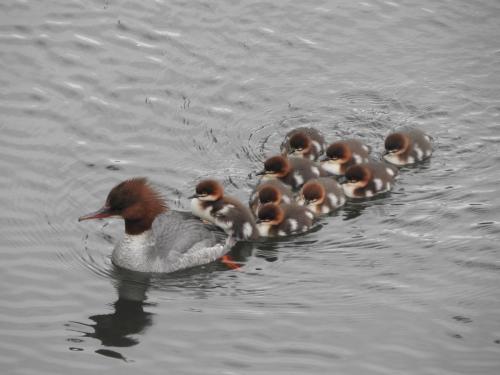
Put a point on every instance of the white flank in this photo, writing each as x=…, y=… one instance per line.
x=378, y=184
x=428, y=153
x=247, y=230
x=419, y=152
x=263, y=229
x=325, y=209
x=357, y=159
x=298, y=179
x=368, y=193
x=315, y=171
x=316, y=146
x=285, y=199
x=365, y=147
x=389, y=171
x=293, y=225
x=310, y=215
x=411, y=160
x=333, y=199
x=281, y=233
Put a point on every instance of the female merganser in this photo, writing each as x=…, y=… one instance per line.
x=269, y=191
x=306, y=143
x=291, y=171
x=283, y=220
x=342, y=154
x=407, y=147
x=321, y=195
x=156, y=239
x=209, y=203
x=368, y=179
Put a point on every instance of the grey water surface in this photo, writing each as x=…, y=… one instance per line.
x=93, y=92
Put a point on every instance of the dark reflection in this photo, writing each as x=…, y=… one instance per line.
x=130, y=316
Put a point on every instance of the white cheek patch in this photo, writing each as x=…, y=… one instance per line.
x=315, y=171
x=378, y=184
x=331, y=167
x=247, y=230
x=357, y=159
x=293, y=225
x=301, y=201
x=198, y=210
x=333, y=199
x=389, y=171
x=298, y=179
x=393, y=159
x=285, y=199
x=419, y=152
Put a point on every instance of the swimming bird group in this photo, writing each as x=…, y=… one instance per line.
x=307, y=179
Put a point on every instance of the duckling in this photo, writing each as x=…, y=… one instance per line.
x=283, y=220
x=342, y=154
x=321, y=195
x=209, y=203
x=407, y=147
x=269, y=191
x=368, y=179
x=304, y=142
x=291, y=171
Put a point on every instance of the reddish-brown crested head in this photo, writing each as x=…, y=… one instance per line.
x=270, y=213
x=358, y=174
x=397, y=143
x=277, y=166
x=313, y=192
x=339, y=151
x=299, y=142
x=209, y=190
x=136, y=201
x=269, y=194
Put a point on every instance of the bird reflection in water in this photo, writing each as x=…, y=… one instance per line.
x=128, y=319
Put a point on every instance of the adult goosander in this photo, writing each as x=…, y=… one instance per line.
x=304, y=142
x=209, y=203
x=156, y=238
x=407, y=147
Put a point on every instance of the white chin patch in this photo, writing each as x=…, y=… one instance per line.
x=394, y=159
x=268, y=177
x=349, y=189
x=197, y=210
x=331, y=167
